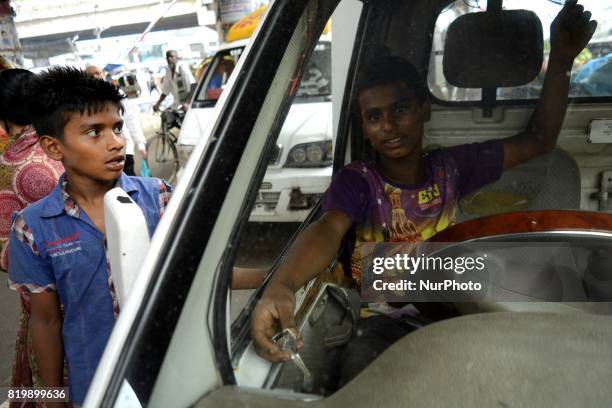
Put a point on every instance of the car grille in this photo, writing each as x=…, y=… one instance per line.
x=268, y=199
x=266, y=185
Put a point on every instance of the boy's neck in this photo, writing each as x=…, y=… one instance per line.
x=87, y=191
x=406, y=170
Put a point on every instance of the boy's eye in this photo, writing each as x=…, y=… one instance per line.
x=402, y=108
x=92, y=133
x=118, y=130
x=372, y=117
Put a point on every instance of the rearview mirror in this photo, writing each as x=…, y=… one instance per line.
x=493, y=49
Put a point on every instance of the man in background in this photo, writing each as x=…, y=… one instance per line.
x=177, y=82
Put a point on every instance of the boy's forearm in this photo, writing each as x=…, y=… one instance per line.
x=311, y=253
x=247, y=278
x=48, y=350
x=547, y=119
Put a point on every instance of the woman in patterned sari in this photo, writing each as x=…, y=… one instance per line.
x=26, y=176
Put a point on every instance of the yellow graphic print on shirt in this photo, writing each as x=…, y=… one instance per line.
x=401, y=228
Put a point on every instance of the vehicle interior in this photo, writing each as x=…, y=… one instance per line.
x=477, y=93
x=484, y=62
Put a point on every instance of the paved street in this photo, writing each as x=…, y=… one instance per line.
x=9, y=304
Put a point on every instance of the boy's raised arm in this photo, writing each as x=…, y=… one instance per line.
x=570, y=32
x=46, y=329
x=310, y=254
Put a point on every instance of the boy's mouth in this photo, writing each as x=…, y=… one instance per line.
x=116, y=163
x=395, y=142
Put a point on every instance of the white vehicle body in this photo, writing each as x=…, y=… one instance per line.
x=287, y=194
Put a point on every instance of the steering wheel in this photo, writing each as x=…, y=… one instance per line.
x=525, y=222
x=588, y=236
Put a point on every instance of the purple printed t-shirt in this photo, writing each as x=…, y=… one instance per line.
x=383, y=211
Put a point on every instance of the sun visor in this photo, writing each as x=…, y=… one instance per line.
x=493, y=49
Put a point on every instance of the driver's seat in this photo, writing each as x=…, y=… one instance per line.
x=548, y=181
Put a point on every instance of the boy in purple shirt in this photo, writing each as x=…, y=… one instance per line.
x=404, y=195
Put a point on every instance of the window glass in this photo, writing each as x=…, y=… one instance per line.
x=592, y=71
x=299, y=172
x=217, y=73
x=315, y=84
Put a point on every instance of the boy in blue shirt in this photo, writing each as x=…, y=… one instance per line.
x=57, y=245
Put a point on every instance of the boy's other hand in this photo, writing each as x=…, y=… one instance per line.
x=273, y=313
x=571, y=31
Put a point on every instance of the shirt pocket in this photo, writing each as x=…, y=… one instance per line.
x=81, y=271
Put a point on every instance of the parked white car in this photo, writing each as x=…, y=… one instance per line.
x=300, y=162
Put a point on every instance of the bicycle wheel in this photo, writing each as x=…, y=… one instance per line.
x=162, y=158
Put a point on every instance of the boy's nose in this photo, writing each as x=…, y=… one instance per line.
x=117, y=141
x=388, y=123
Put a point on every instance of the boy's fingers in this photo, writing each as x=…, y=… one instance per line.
x=592, y=27
x=567, y=7
x=285, y=315
x=586, y=16
x=261, y=328
x=266, y=348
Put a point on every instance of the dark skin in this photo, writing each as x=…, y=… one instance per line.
x=392, y=120
x=46, y=329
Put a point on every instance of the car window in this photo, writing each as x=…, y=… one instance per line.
x=591, y=73
x=298, y=174
x=217, y=74
x=314, y=86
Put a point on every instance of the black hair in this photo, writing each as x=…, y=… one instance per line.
x=170, y=52
x=61, y=91
x=389, y=69
x=13, y=104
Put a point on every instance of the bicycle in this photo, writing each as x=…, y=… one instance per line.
x=162, y=155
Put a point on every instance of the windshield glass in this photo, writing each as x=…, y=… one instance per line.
x=592, y=68
x=317, y=77
x=217, y=73
x=316, y=81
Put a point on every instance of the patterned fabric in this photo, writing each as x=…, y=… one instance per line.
x=383, y=211
x=70, y=205
x=26, y=175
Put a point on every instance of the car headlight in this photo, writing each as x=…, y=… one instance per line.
x=317, y=154
x=298, y=155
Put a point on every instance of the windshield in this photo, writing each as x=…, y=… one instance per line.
x=592, y=68
x=317, y=77
x=316, y=81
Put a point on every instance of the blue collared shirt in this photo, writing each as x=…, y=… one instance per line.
x=54, y=246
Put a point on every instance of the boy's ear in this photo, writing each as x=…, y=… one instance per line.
x=52, y=146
